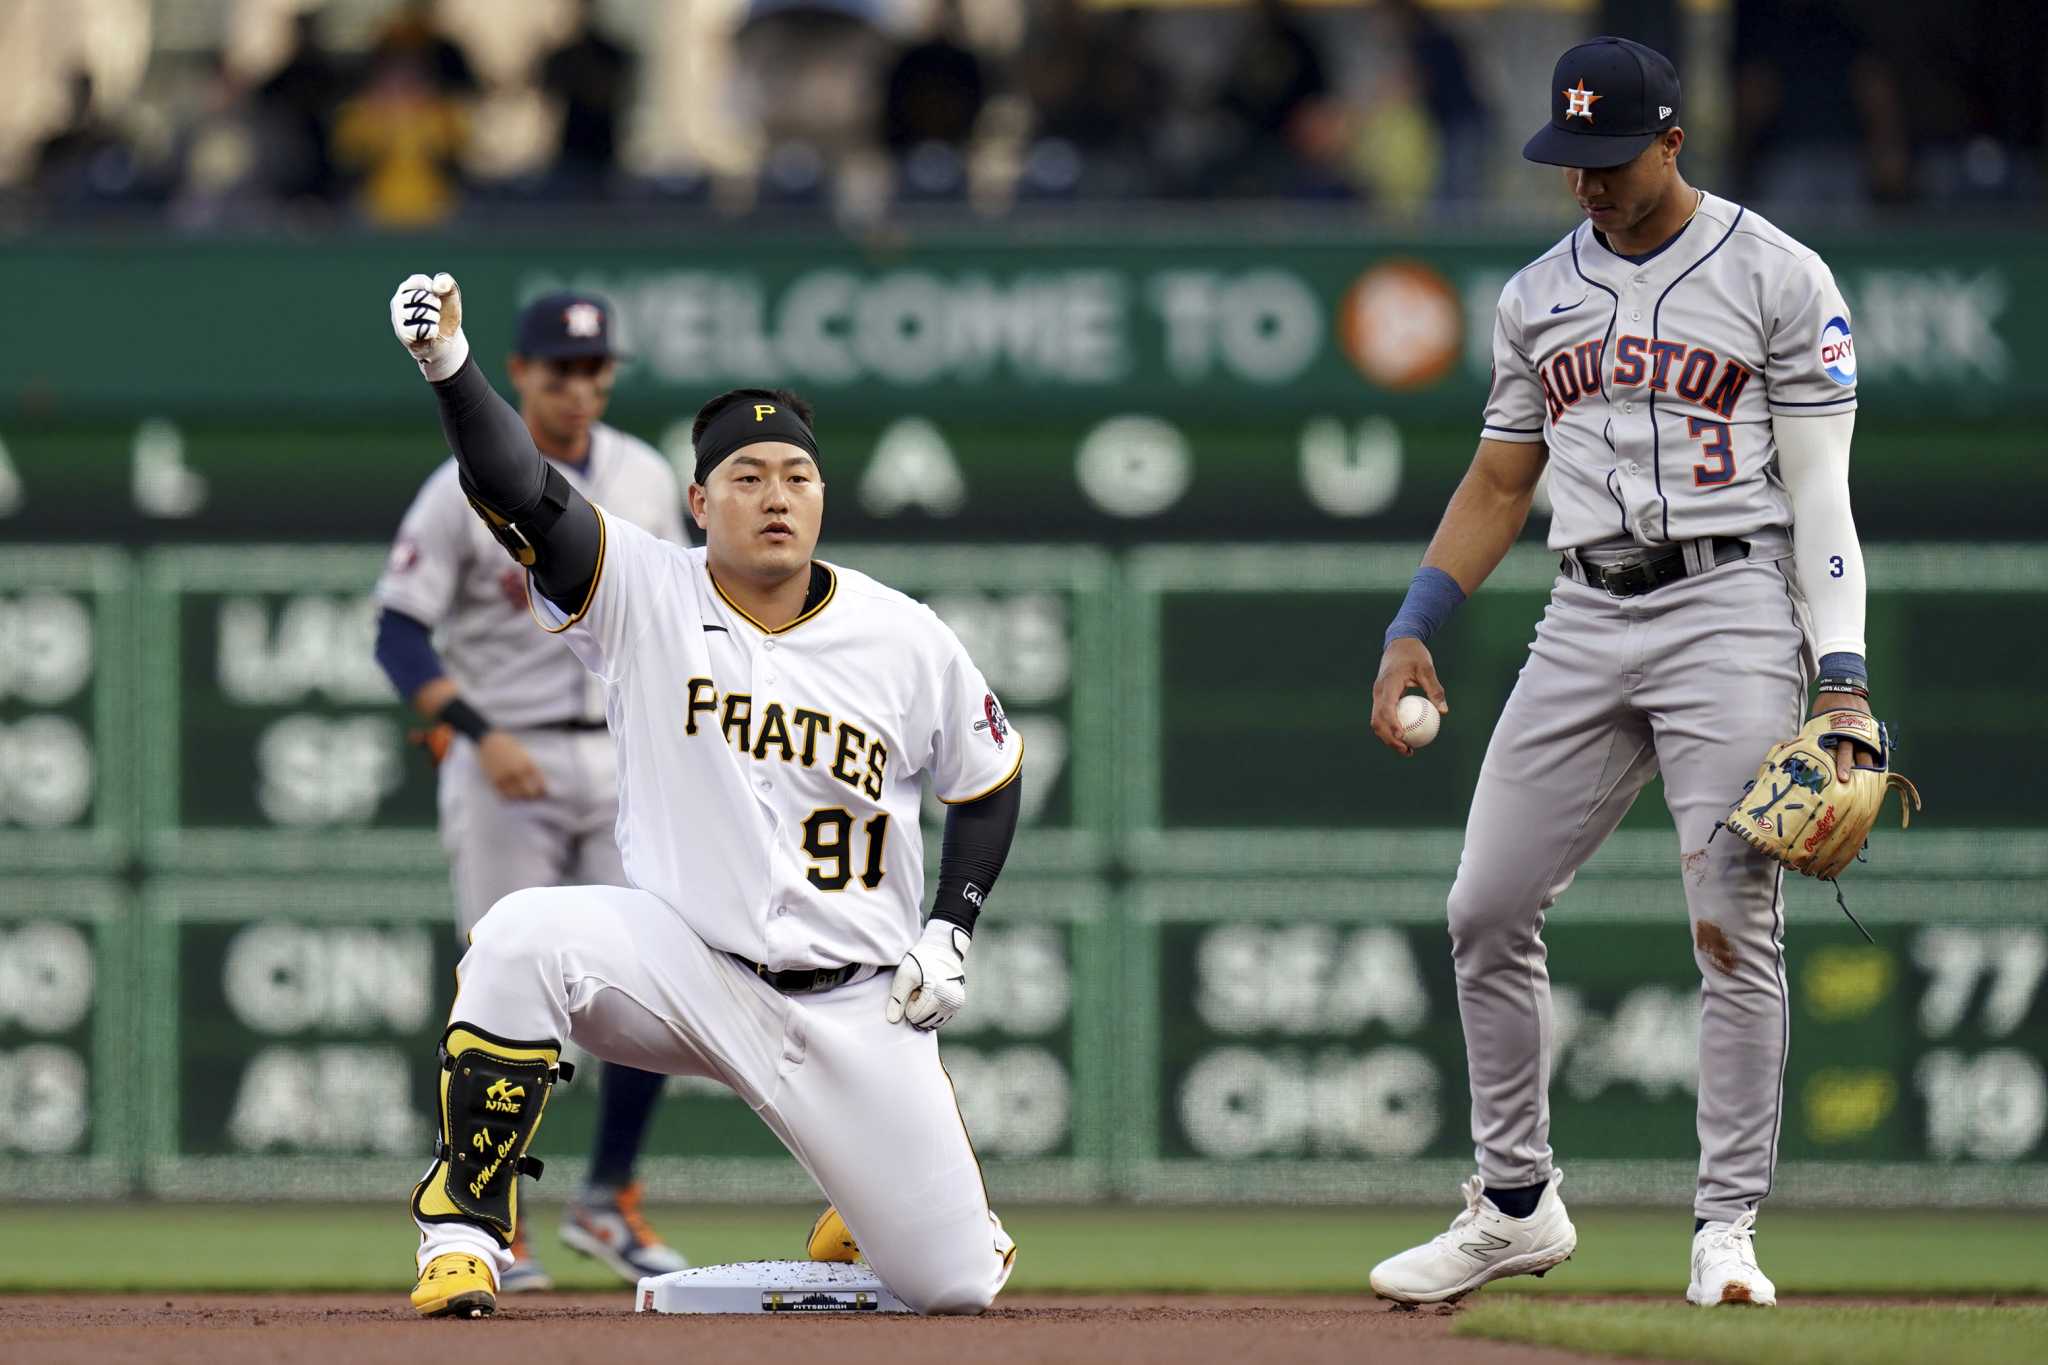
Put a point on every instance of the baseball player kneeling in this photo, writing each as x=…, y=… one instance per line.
x=775, y=718
x=1684, y=371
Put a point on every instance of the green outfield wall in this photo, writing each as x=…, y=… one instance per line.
x=1263, y=325
x=1216, y=971
x=1107, y=390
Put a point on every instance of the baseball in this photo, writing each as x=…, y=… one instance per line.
x=1418, y=717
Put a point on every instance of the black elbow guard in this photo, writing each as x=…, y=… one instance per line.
x=519, y=530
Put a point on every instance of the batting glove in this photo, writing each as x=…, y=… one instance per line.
x=426, y=313
x=931, y=981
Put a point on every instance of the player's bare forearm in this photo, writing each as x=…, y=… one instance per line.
x=1485, y=515
x=1487, y=511
x=432, y=696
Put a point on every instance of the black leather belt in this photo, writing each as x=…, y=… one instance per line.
x=573, y=725
x=799, y=980
x=1638, y=574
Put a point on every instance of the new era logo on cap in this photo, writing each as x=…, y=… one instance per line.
x=1663, y=111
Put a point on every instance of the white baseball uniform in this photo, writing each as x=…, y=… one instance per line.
x=1654, y=382
x=769, y=788
x=446, y=572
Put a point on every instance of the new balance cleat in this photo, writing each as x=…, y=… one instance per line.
x=1481, y=1245
x=607, y=1225
x=1724, y=1268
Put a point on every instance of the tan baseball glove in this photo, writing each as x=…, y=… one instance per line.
x=1802, y=813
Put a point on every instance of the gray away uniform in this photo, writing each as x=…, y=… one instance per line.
x=447, y=572
x=1654, y=385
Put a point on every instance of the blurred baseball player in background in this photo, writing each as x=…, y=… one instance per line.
x=777, y=720
x=528, y=777
x=1685, y=372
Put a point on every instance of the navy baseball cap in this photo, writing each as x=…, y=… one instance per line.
x=1609, y=99
x=565, y=326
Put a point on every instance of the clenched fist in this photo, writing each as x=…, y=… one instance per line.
x=426, y=313
x=931, y=981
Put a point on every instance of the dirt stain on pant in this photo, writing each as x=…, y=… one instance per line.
x=1708, y=938
x=1694, y=866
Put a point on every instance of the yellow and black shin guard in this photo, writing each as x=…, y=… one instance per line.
x=492, y=1093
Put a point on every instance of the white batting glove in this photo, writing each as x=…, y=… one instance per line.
x=426, y=313
x=931, y=981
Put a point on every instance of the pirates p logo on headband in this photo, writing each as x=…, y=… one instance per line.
x=746, y=424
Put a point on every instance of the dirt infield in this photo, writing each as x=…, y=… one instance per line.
x=562, y=1329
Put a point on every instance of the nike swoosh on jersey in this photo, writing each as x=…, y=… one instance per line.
x=1567, y=307
x=720, y=629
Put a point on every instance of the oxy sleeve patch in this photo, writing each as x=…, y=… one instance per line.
x=1838, y=351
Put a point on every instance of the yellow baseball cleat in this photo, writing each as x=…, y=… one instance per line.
x=830, y=1241
x=456, y=1285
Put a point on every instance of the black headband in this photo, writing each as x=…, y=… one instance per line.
x=751, y=423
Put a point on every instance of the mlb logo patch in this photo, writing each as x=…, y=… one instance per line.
x=993, y=722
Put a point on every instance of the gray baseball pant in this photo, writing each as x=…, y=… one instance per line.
x=1695, y=679
x=566, y=838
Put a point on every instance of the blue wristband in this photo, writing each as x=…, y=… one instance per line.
x=1432, y=596
x=1843, y=664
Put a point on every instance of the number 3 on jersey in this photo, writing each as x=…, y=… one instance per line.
x=828, y=838
x=1713, y=439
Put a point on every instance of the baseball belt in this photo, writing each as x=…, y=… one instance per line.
x=1652, y=569
x=805, y=980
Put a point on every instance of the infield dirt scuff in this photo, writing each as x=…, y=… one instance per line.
x=602, y=1330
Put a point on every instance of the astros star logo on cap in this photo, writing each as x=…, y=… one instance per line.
x=1581, y=101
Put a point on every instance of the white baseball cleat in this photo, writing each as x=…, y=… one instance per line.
x=1724, y=1268
x=1481, y=1244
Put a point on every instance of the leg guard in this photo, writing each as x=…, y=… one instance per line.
x=492, y=1093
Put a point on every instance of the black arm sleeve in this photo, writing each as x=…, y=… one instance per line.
x=977, y=843
x=545, y=524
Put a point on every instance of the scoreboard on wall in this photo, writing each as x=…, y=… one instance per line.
x=225, y=942
x=273, y=740
x=1300, y=1039
x=289, y=1031
x=66, y=695
x=67, y=1031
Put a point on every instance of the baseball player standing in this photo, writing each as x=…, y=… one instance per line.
x=1685, y=371
x=776, y=719
x=531, y=798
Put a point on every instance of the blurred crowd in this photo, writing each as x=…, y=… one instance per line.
x=405, y=114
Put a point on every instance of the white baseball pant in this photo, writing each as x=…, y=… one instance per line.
x=863, y=1104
